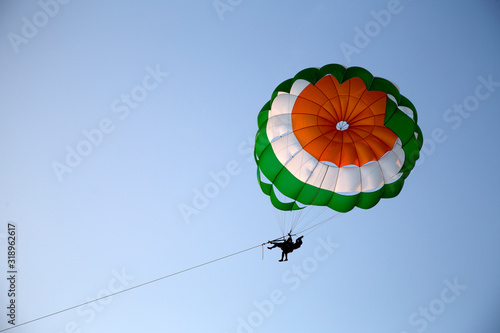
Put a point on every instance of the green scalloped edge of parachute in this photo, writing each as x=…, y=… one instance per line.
x=395, y=119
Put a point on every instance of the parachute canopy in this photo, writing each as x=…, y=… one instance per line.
x=336, y=137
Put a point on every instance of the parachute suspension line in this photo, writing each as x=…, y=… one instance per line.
x=317, y=225
x=133, y=287
x=296, y=216
x=312, y=215
x=287, y=220
x=317, y=215
x=299, y=217
x=303, y=218
x=304, y=228
x=280, y=217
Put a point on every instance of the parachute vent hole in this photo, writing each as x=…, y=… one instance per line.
x=342, y=125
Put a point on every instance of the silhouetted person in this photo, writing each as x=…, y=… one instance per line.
x=286, y=246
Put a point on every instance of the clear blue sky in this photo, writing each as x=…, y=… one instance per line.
x=115, y=116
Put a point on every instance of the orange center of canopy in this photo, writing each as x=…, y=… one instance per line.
x=342, y=123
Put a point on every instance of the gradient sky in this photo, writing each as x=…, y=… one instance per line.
x=116, y=115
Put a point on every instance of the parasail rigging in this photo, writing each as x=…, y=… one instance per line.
x=337, y=138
